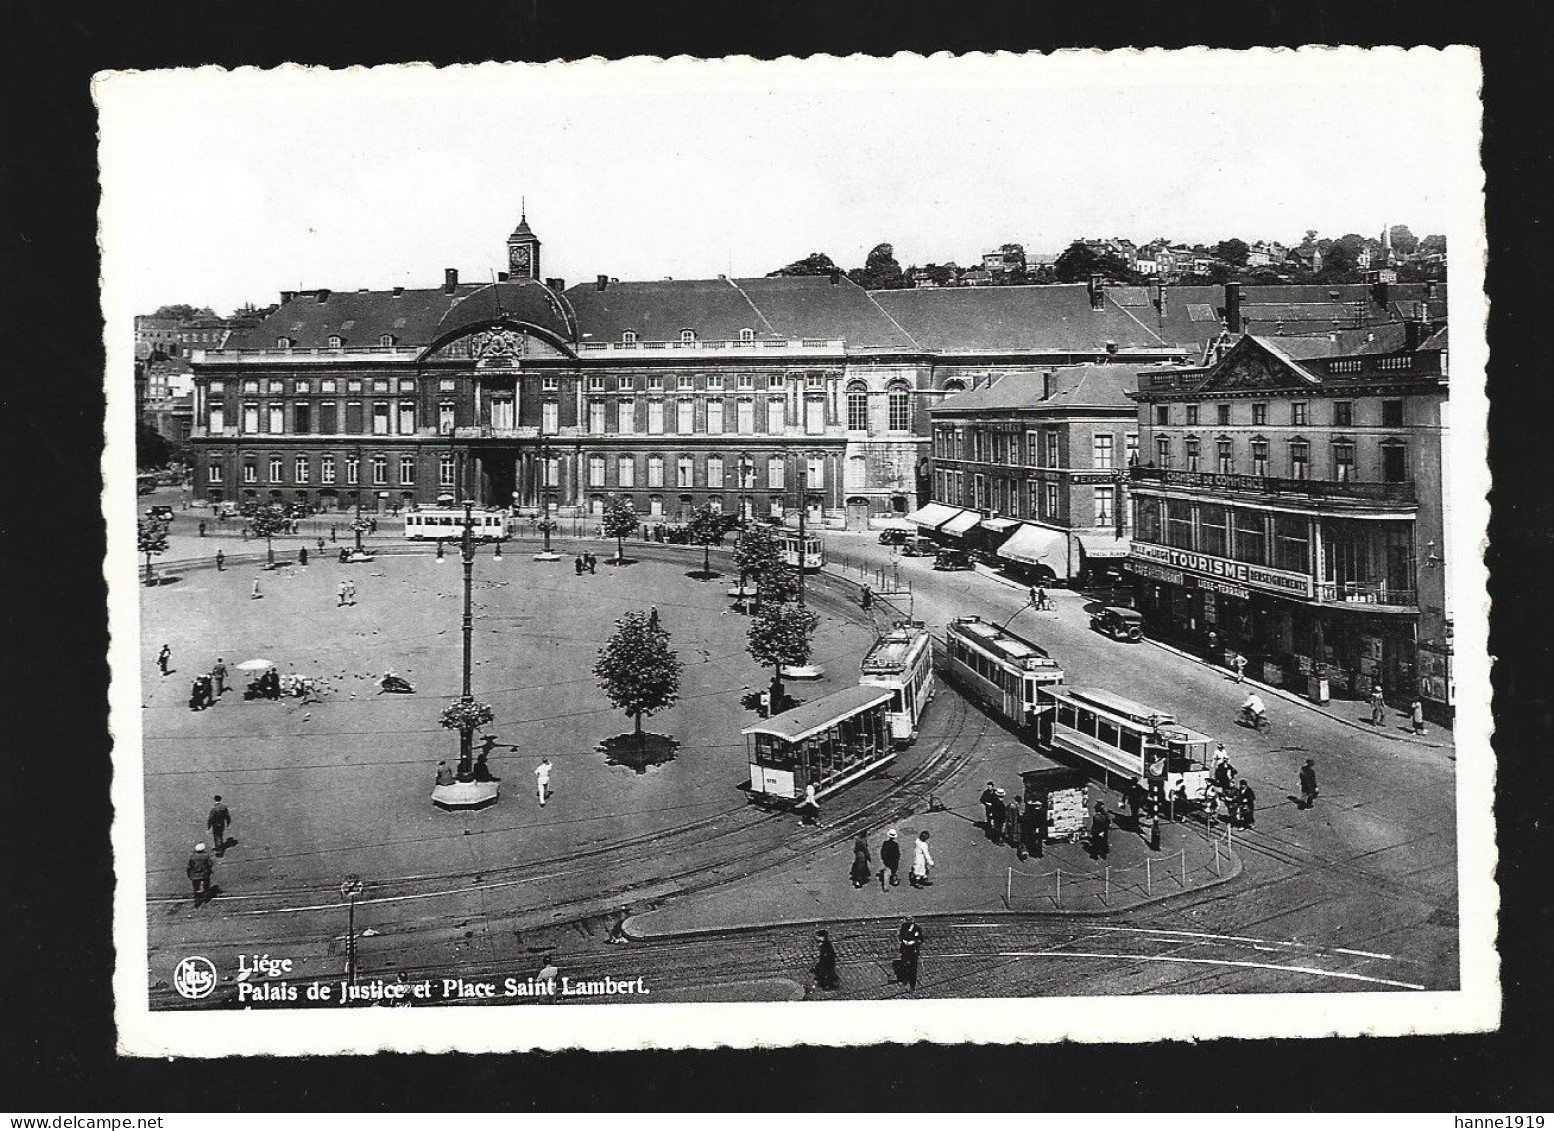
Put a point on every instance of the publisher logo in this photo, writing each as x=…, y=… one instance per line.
x=194, y=977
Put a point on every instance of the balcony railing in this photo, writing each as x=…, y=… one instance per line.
x=780, y=345
x=1365, y=593
x=1402, y=493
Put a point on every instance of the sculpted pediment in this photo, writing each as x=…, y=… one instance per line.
x=1249, y=366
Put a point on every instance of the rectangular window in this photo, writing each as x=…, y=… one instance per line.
x=747, y=380
x=1131, y=449
x=445, y=418
x=685, y=416
x=380, y=419
x=406, y=418
x=656, y=507
x=1162, y=414
x=380, y=385
x=626, y=471
x=1049, y=501
x=655, y=382
x=1163, y=451
x=1298, y=415
x=1178, y=523
x=1105, y=506
x=1291, y=543
x=250, y=419
x=406, y=470
x=276, y=469
x=1394, y=463
x=1213, y=530
x=1222, y=414
x=250, y=472
x=596, y=471
x=327, y=385
x=407, y=385
x=746, y=416
x=445, y=471
x=326, y=469
x=217, y=387
x=550, y=383
x=552, y=471
x=277, y=415
x=1102, y=453
x=1260, y=457
x=714, y=382
x=1051, y=438
x=686, y=382
x=1300, y=460
x=445, y=385
x=353, y=471
x=655, y=417
x=1343, y=461
x=1391, y=414
x=685, y=470
x=1226, y=462
x=1032, y=448
x=379, y=471
x=715, y=471
x=1194, y=463
x=776, y=473
x=300, y=469
x=655, y=471
x=1343, y=414
x=776, y=416
x=1192, y=415
x=1259, y=415
x=213, y=472
x=277, y=386
x=626, y=416
x=814, y=416
x=550, y=417
x=596, y=384
x=218, y=419
x=250, y=386
x=815, y=474
x=1251, y=536
x=353, y=386
x=715, y=417
x=302, y=418
x=596, y=417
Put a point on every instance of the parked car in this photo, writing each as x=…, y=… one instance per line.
x=1119, y=623
x=160, y=513
x=893, y=537
x=917, y=546
x=952, y=558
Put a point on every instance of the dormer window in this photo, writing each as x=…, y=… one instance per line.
x=283, y=343
x=628, y=337
x=687, y=337
x=335, y=341
x=746, y=335
x=386, y=340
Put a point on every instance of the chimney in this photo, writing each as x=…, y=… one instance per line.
x=1097, y=292
x=1430, y=290
x=323, y=294
x=1160, y=299
x=1379, y=290
x=836, y=276
x=601, y=281
x=502, y=276
x=1233, y=307
x=1111, y=346
x=1048, y=380
x=557, y=285
x=287, y=296
x=450, y=280
x=399, y=292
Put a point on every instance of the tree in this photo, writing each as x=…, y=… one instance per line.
x=637, y=669
x=266, y=521
x=756, y=553
x=781, y=634
x=620, y=520
x=1404, y=242
x=183, y=312
x=705, y=530
x=1432, y=245
x=151, y=448
x=815, y=263
x=151, y=540
x=1079, y=261
x=880, y=271
x=1232, y=251
x=1341, y=259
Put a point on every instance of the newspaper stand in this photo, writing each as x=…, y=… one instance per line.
x=1061, y=790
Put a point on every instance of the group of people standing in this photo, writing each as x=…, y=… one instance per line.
x=889, y=872
x=204, y=689
x=585, y=562
x=1014, y=822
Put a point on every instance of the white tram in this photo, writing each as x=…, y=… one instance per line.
x=1126, y=738
x=902, y=662
x=810, y=549
x=828, y=743
x=446, y=524
x=999, y=669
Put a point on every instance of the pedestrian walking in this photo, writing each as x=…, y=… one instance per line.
x=350, y=590
x=809, y=808
x=1308, y=784
x=910, y=937
x=483, y=769
x=542, y=781
x=200, y=869
x=202, y=528
x=1035, y=821
x=1416, y=715
x=1100, y=832
x=302, y=556
x=163, y=657
x=922, y=860
x=321, y=545
x=577, y=565
x=341, y=603
x=826, y=977
x=653, y=616
x=866, y=599
x=995, y=817
x=221, y=561
x=254, y=594
x=1222, y=770
x=196, y=695
x=218, y=822
x=1012, y=827
x=332, y=537
x=989, y=795
x=592, y=561
x=1378, y=706
x=372, y=526
x=1135, y=794
x=890, y=860
x=218, y=675
x=863, y=862
x=1246, y=805
x=1239, y=663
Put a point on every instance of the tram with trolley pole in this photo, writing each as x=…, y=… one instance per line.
x=828, y=744
x=801, y=550
x=901, y=661
x=446, y=524
x=999, y=668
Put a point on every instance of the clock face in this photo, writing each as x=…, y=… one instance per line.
x=519, y=258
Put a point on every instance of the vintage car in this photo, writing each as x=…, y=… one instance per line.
x=893, y=537
x=917, y=546
x=160, y=513
x=952, y=558
x=1119, y=623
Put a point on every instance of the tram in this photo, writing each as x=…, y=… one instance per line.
x=1126, y=738
x=445, y=524
x=828, y=744
x=999, y=668
x=810, y=548
x=902, y=662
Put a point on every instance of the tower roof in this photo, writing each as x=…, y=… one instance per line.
x=523, y=231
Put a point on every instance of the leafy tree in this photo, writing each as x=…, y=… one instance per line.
x=1432, y=245
x=266, y=520
x=1232, y=251
x=637, y=669
x=183, y=311
x=756, y=553
x=1014, y=254
x=705, y=530
x=781, y=633
x=1404, y=242
x=880, y=271
x=151, y=448
x=620, y=520
x=1341, y=259
x=1079, y=261
x=939, y=273
x=151, y=540
x=815, y=263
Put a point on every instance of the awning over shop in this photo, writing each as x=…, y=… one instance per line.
x=1038, y=546
x=1000, y=525
x=932, y=516
x=961, y=524
x=1104, y=545
x=892, y=524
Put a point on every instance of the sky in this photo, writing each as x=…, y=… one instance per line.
x=227, y=187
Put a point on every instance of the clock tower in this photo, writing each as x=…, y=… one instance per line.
x=523, y=251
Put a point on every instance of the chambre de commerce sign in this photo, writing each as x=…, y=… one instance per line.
x=1252, y=576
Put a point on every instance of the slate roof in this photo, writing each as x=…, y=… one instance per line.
x=998, y=319
x=1075, y=387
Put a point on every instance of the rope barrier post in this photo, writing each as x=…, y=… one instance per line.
x=1009, y=888
x=1184, y=869
x=1216, y=857
x=1060, y=887
x=1107, y=898
x=1149, y=888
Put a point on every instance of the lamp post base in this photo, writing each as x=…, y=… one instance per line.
x=465, y=795
x=803, y=671
x=547, y=556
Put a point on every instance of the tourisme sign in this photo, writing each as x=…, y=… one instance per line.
x=1241, y=573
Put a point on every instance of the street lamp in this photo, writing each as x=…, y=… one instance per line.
x=350, y=891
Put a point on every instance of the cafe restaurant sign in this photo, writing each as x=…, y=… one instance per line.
x=1252, y=576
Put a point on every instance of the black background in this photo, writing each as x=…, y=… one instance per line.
x=55, y=923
